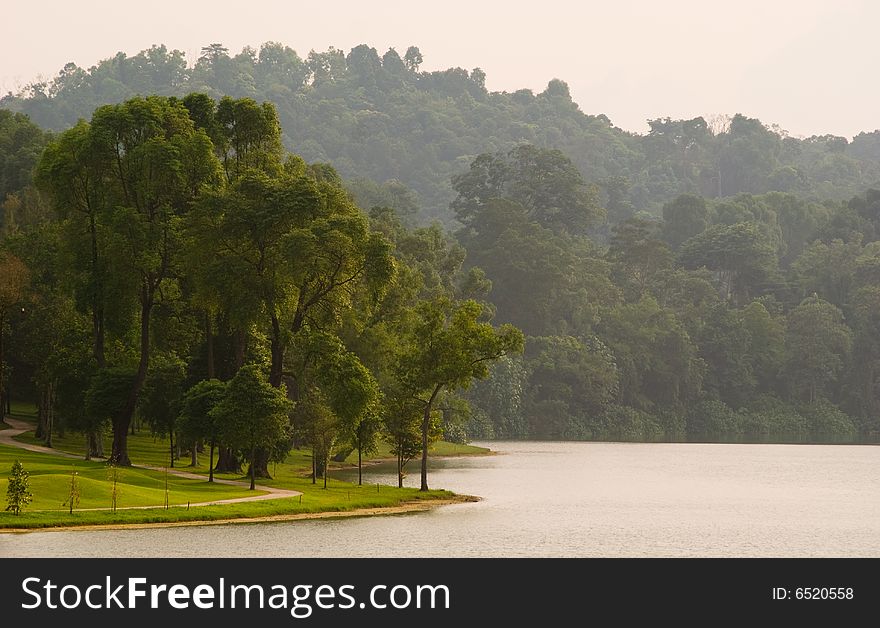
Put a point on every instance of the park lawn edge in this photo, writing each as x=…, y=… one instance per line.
x=344, y=499
x=254, y=512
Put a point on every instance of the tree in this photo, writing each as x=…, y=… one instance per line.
x=129, y=176
x=544, y=182
x=338, y=393
x=637, y=255
x=14, y=279
x=161, y=401
x=18, y=494
x=447, y=349
x=402, y=420
x=656, y=359
x=817, y=343
x=196, y=418
x=683, y=218
x=570, y=381
x=413, y=58
x=252, y=413
x=739, y=254
x=365, y=438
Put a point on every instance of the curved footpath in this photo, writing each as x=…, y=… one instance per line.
x=269, y=492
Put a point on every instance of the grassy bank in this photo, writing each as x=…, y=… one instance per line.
x=50, y=481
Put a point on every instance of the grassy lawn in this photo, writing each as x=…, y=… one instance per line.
x=50, y=479
x=50, y=483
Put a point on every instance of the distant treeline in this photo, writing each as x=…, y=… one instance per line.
x=750, y=311
x=383, y=119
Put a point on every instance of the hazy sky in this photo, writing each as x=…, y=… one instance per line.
x=808, y=65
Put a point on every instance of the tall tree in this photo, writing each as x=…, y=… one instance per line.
x=196, y=418
x=159, y=163
x=253, y=413
x=447, y=349
x=14, y=280
x=817, y=344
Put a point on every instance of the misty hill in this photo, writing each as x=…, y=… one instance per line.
x=382, y=119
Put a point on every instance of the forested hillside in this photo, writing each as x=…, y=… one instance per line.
x=703, y=281
x=380, y=117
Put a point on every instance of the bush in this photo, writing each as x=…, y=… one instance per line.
x=626, y=424
x=828, y=423
x=770, y=417
x=714, y=418
x=18, y=494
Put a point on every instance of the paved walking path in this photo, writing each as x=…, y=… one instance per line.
x=269, y=492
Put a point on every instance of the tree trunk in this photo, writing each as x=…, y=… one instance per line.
x=95, y=445
x=261, y=460
x=122, y=421
x=211, y=463
x=227, y=461
x=314, y=466
x=97, y=298
x=89, y=446
x=240, y=348
x=326, y=464
x=171, y=435
x=426, y=425
x=399, y=464
x=194, y=455
x=50, y=412
x=209, y=344
x=253, y=464
x=277, y=365
x=360, y=468
x=40, y=432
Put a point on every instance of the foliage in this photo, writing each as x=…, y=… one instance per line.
x=18, y=494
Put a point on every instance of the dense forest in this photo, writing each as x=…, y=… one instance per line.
x=260, y=227
x=382, y=120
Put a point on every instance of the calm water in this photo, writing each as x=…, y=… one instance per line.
x=570, y=499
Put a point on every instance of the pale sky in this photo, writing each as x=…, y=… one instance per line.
x=809, y=66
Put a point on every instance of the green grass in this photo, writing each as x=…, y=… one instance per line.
x=335, y=499
x=50, y=478
x=50, y=482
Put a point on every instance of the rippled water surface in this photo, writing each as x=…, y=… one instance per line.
x=569, y=499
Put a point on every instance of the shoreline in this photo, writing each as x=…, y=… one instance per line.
x=403, y=508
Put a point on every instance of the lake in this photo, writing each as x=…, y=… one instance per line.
x=567, y=499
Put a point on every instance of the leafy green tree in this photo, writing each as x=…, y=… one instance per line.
x=252, y=413
x=817, y=344
x=14, y=280
x=160, y=403
x=766, y=348
x=684, y=218
x=21, y=142
x=500, y=398
x=18, y=494
x=196, y=418
x=142, y=164
x=544, y=182
x=739, y=254
x=656, y=359
x=570, y=381
x=827, y=269
x=448, y=348
x=637, y=255
x=413, y=58
x=725, y=345
x=542, y=282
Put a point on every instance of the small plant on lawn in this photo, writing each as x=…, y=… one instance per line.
x=113, y=477
x=18, y=495
x=73, y=492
